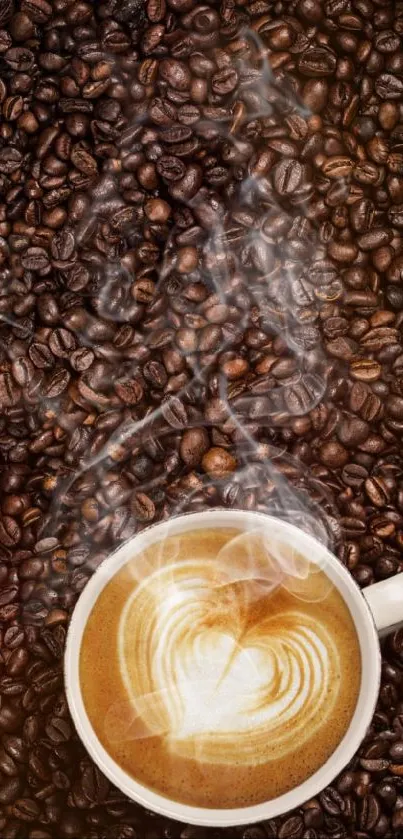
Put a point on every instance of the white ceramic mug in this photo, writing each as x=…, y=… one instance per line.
x=375, y=611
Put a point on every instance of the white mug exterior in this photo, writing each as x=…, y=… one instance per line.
x=370, y=658
x=385, y=600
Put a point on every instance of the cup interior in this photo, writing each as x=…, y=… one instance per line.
x=370, y=665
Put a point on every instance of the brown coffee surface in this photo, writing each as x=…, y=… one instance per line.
x=218, y=669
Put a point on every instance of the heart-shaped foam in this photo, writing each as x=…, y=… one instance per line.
x=216, y=673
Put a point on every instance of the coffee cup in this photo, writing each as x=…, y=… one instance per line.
x=373, y=612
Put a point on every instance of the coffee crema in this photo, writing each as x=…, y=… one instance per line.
x=219, y=668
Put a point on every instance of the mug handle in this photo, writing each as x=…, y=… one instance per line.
x=385, y=600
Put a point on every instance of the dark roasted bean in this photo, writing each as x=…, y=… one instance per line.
x=201, y=273
x=142, y=507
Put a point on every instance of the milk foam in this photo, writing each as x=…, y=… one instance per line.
x=215, y=676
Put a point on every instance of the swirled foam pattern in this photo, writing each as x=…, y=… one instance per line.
x=216, y=680
x=218, y=669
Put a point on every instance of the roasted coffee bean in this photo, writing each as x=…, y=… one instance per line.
x=130, y=392
x=62, y=246
x=9, y=391
x=26, y=809
x=394, y=406
x=58, y=730
x=374, y=239
x=10, y=160
x=389, y=86
x=292, y=828
x=333, y=455
x=396, y=752
x=9, y=790
x=41, y=356
x=10, y=535
x=155, y=373
x=143, y=508
x=17, y=662
x=174, y=413
x=224, y=81
x=185, y=188
x=156, y=10
x=170, y=168
x=365, y=370
x=194, y=444
x=317, y=62
x=169, y=332
x=57, y=384
x=218, y=462
x=354, y=475
x=176, y=73
x=8, y=766
x=377, y=491
x=287, y=176
x=370, y=812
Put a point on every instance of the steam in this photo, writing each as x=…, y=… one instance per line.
x=263, y=563
x=256, y=253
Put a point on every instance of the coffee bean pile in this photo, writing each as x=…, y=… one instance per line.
x=201, y=293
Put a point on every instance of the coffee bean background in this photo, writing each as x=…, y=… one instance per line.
x=201, y=294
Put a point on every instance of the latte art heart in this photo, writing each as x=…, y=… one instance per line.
x=220, y=667
x=218, y=677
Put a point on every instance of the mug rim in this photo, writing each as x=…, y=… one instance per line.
x=344, y=751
